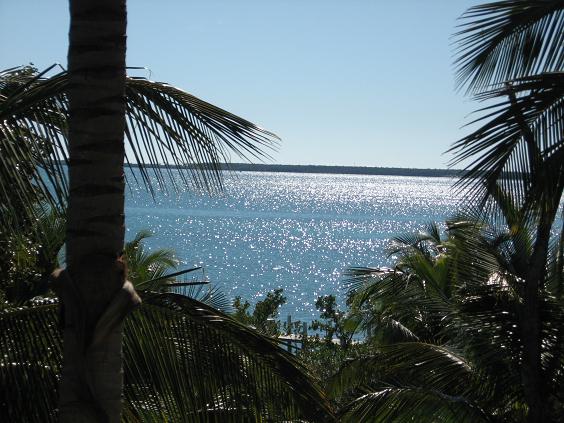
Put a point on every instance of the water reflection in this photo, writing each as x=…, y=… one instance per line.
x=295, y=231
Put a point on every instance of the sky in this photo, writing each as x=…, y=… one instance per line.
x=349, y=82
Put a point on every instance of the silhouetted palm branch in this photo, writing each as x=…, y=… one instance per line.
x=184, y=361
x=521, y=145
x=510, y=39
x=166, y=128
x=478, y=326
x=409, y=381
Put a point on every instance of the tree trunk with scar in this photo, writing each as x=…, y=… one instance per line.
x=93, y=287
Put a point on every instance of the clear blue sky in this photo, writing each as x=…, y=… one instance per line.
x=366, y=83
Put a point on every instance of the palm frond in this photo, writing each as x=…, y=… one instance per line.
x=385, y=329
x=407, y=381
x=520, y=145
x=32, y=142
x=169, y=126
x=206, y=293
x=156, y=271
x=184, y=361
x=249, y=378
x=418, y=306
x=166, y=128
x=479, y=321
x=357, y=277
x=408, y=404
x=414, y=363
x=30, y=363
x=28, y=256
x=504, y=40
x=555, y=274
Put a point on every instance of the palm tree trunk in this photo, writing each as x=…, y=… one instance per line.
x=531, y=321
x=93, y=288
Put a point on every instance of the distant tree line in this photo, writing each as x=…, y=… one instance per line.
x=347, y=170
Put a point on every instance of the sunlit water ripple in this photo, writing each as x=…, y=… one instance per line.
x=291, y=230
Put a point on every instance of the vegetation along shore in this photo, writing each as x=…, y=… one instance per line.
x=340, y=170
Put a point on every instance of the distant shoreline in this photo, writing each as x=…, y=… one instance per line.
x=346, y=170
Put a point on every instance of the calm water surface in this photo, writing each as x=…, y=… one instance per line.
x=291, y=230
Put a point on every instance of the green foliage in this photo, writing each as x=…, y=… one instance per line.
x=184, y=362
x=323, y=356
x=163, y=125
x=333, y=321
x=32, y=127
x=241, y=311
x=323, y=359
x=510, y=54
x=445, y=328
x=509, y=39
x=28, y=256
x=263, y=317
x=143, y=266
x=156, y=271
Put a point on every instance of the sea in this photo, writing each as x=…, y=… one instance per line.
x=296, y=231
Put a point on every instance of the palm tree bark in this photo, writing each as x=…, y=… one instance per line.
x=534, y=382
x=93, y=288
x=531, y=329
x=531, y=321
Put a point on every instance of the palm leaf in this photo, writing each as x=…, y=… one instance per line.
x=479, y=325
x=521, y=145
x=407, y=382
x=505, y=40
x=32, y=140
x=166, y=128
x=168, y=125
x=184, y=361
x=401, y=304
x=30, y=362
x=205, y=293
x=409, y=405
x=413, y=362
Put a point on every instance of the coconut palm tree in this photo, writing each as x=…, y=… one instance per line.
x=34, y=145
x=454, y=353
x=165, y=127
x=422, y=269
x=511, y=52
x=173, y=126
x=185, y=359
x=241, y=375
x=93, y=287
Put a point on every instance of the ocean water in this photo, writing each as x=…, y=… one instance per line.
x=295, y=231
